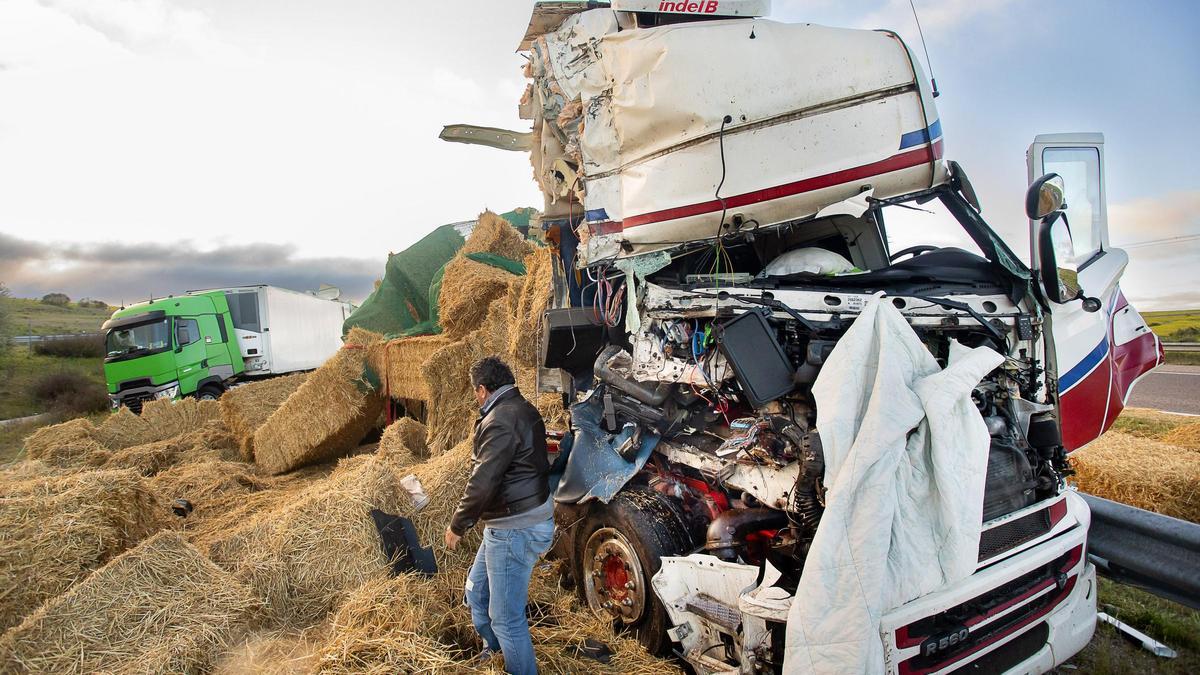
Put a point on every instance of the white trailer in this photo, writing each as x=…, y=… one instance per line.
x=282, y=331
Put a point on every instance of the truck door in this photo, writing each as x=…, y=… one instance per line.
x=1099, y=351
x=190, y=351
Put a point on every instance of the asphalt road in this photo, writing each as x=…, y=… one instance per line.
x=1171, y=388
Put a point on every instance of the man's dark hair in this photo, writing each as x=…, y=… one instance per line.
x=492, y=373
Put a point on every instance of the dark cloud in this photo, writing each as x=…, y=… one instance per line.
x=118, y=272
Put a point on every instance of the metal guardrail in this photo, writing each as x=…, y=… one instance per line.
x=1153, y=552
x=1181, y=346
x=26, y=339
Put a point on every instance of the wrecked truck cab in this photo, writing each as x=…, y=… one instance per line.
x=724, y=230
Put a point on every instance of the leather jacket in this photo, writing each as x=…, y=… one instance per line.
x=511, y=469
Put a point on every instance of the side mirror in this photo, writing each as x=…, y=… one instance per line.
x=1045, y=196
x=1060, y=276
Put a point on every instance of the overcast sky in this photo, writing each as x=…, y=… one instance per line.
x=151, y=146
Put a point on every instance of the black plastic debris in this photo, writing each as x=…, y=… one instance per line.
x=181, y=507
x=398, y=537
x=592, y=649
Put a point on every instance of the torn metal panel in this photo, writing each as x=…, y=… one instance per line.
x=501, y=139
x=548, y=16
x=595, y=468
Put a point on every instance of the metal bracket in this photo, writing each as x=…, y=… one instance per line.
x=1148, y=643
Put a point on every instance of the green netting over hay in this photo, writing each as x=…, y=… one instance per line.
x=402, y=299
x=405, y=303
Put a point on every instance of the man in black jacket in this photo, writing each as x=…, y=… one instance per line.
x=508, y=490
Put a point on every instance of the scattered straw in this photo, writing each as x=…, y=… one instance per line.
x=302, y=558
x=1184, y=436
x=55, y=530
x=413, y=624
x=161, y=607
x=1148, y=474
x=246, y=407
x=271, y=653
x=327, y=416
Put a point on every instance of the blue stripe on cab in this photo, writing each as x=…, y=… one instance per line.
x=921, y=135
x=596, y=215
x=1081, y=369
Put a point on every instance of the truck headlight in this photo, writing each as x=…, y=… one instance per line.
x=170, y=392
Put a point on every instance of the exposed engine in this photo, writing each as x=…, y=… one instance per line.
x=724, y=380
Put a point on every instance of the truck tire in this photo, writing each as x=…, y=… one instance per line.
x=210, y=392
x=618, y=550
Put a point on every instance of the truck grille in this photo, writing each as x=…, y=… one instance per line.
x=1007, y=657
x=997, y=540
x=1051, y=581
x=134, y=403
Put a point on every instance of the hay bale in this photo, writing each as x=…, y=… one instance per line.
x=452, y=406
x=54, y=530
x=1184, y=436
x=468, y=289
x=304, y=557
x=399, y=361
x=1148, y=474
x=160, y=607
x=403, y=442
x=210, y=441
x=247, y=407
x=159, y=421
x=63, y=445
x=213, y=487
x=327, y=416
x=493, y=234
x=532, y=299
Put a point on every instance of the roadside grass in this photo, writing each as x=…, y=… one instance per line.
x=1110, y=652
x=20, y=371
x=27, y=315
x=1148, y=423
x=1175, y=326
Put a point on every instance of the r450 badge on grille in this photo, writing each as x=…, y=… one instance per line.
x=945, y=641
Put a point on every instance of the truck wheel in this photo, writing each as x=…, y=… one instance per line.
x=617, y=551
x=209, y=392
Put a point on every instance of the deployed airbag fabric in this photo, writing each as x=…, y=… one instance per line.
x=906, y=456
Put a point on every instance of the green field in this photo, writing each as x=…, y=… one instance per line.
x=31, y=317
x=1181, y=325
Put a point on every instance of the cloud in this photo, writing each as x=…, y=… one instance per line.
x=1151, y=218
x=119, y=272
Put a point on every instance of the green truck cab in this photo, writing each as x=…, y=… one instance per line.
x=170, y=348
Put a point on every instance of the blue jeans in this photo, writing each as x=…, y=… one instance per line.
x=504, y=564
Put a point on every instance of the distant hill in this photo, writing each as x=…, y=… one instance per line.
x=1181, y=325
x=25, y=315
